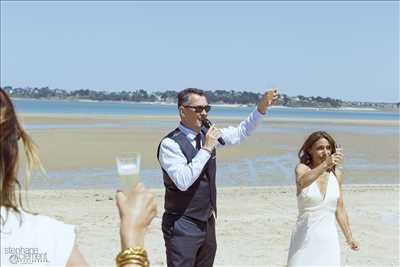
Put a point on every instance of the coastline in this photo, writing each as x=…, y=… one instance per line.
x=223, y=105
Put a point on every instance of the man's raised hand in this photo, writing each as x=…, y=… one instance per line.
x=269, y=98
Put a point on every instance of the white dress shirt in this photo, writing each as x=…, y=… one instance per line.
x=184, y=174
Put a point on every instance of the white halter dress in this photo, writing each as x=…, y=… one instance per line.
x=315, y=240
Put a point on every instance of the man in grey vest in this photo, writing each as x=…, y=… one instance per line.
x=187, y=157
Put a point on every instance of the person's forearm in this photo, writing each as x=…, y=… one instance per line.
x=343, y=221
x=312, y=175
x=235, y=135
x=131, y=238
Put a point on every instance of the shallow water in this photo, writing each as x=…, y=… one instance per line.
x=261, y=171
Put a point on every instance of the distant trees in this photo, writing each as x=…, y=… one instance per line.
x=232, y=97
x=170, y=96
x=167, y=96
x=311, y=101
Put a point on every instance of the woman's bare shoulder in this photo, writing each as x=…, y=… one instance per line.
x=301, y=168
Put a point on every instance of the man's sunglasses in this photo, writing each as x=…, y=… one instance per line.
x=199, y=109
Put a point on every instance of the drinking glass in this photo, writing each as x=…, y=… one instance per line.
x=128, y=167
x=339, y=148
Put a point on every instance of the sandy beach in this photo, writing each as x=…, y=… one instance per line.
x=254, y=223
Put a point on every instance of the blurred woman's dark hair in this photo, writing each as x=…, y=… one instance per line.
x=11, y=132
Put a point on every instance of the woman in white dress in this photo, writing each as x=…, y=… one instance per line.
x=27, y=239
x=315, y=239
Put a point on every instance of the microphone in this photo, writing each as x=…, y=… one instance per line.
x=207, y=124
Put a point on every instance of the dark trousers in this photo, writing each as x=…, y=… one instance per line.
x=189, y=242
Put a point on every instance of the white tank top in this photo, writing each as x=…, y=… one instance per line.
x=34, y=240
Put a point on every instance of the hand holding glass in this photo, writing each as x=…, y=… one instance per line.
x=128, y=167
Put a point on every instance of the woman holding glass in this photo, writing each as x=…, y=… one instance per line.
x=315, y=239
x=30, y=239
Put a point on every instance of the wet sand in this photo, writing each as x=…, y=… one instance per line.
x=87, y=148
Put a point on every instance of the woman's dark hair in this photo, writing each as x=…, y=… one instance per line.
x=11, y=132
x=304, y=155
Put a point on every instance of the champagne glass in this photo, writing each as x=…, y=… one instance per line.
x=339, y=148
x=128, y=167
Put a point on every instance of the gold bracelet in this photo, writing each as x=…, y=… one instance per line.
x=136, y=255
x=138, y=262
x=132, y=257
x=135, y=250
x=142, y=261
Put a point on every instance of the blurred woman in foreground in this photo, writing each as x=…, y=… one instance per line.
x=28, y=238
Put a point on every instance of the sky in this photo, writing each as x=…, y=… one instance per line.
x=345, y=50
